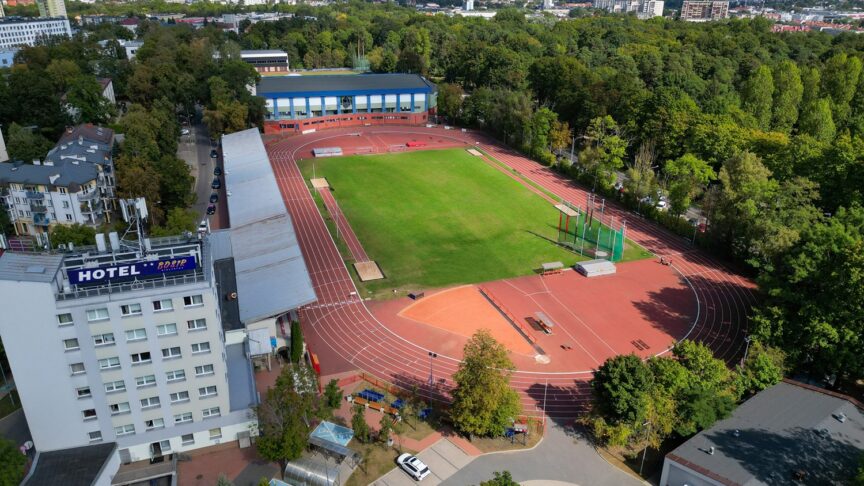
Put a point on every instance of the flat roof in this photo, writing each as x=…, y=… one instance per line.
x=67, y=171
x=262, y=52
x=78, y=466
x=271, y=273
x=27, y=267
x=783, y=429
x=336, y=83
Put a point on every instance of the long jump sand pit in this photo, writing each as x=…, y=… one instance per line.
x=464, y=311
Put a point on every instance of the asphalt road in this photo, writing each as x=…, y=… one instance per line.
x=195, y=150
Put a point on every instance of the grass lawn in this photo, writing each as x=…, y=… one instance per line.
x=378, y=459
x=443, y=217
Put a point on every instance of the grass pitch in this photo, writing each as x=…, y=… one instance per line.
x=442, y=217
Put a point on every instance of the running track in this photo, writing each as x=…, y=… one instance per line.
x=354, y=336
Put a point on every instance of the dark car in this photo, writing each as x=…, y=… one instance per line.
x=214, y=198
x=213, y=154
x=216, y=183
x=211, y=209
x=217, y=171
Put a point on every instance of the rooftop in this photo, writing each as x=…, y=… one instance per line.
x=271, y=274
x=79, y=466
x=23, y=267
x=263, y=52
x=63, y=173
x=30, y=20
x=343, y=83
x=88, y=134
x=786, y=428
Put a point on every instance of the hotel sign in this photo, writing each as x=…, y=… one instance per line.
x=130, y=271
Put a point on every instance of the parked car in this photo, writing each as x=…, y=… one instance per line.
x=413, y=466
x=214, y=154
x=214, y=198
x=211, y=209
x=216, y=183
x=217, y=171
x=185, y=131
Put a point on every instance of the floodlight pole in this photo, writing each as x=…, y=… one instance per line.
x=746, y=349
x=645, y=451
x=432, y=356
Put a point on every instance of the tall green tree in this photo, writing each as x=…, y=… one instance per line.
x=839, y=81
x=788, y=91
x=688, y=176
x=763, y=367
x=604, y=152
x=77, y=234
x=817, y=121
x=757, y=94
x=483, y=402
x=11, y=464
x=26, y=145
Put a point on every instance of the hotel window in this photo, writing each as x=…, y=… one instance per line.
x=64, y=319
x=141, y=358
x=155, y=424
x=216, y=433
x=187, y=439
x=136, y=335
x=176, y=375
x=109, y=363
x=179, y=397
x=146, y=380
x=193, y=300
x=196, y=325
x=97, y=314
x=72, y=344
x=204, y=370
x=103, y=339
x=119, y=408
x=115, y=386
x=151, y=402
x=130, y=310
x=163, y=305
x=124, y=430
x=211, y=412
x=207, y=391
x=95, y=436
x=89, y=414
x=183, y=418
x=170, y=353
x=83, y=392
x=200, y=348
x=166, y=330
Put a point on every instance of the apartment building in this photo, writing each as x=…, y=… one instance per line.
x=644, y=9
x=74, y=184
x=109, y=345
x=21, y=31
x=51, y=8
x=704, y=10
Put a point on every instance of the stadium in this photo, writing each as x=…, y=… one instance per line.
x=416, y=235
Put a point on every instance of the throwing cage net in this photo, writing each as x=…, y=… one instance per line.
x=589, y=231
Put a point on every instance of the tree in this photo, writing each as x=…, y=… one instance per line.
x=641, y=180
x=84, y=95
x=224, y=481
x=384, y=428
x=285, y=413
x=756, y=95
x=817, y=121
x=25, y=145
x=689, y=175
x=604, y=151
x=483, y=402
x=788, y=91
x=359, y=425
x=450, y=100
x=12, y=463
x=764, y=367
x=332, y=394
x=503, y=478
x=839, y=80
x=179, y=221
x=77, y=234
x=296, y=342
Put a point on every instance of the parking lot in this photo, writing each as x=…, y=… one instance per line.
x=443, y=459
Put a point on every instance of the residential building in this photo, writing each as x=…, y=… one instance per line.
x=302, y=103
x=267, y=61
x=650, y=8
x=4, y=154
x=7, y=56
x=146, y=343
x=2, y=13
x=51, y=8
x=91, y=465
x=791, y=433
x=75, y=183
x=468, y=5
x=21, y=31
x=107, y=89
x=131, y=24
x=643, y=8
x=132, y=48
x=704, y=10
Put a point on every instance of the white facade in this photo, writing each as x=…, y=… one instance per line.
x=4, y=155
x=643, y=8
x=468, y=5
x=17, y=32
x=132, y=48
x=58, y=206
x=144, y=366
x=51, y=8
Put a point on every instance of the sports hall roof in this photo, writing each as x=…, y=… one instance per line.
x=344, y=84
x=271, y=273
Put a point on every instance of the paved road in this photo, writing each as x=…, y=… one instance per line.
x=562, y=458
x=195, y=150
x=14, y=427
x=443, y=458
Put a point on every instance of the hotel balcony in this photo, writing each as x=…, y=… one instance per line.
x=35, y=195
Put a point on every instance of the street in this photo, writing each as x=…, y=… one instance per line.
x=195, y=150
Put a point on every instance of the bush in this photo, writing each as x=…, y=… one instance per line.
x=296, y=342
x=332, y=394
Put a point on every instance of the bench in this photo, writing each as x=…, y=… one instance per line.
x=371, y=395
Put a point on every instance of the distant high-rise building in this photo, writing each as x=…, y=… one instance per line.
x=650, y=8
x=2, y=14
x=704, y=10
x=51, y=8
x=547, y=4
x=642, y=8
x=468, y=5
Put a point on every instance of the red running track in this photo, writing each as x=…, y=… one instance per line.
x=346, y=336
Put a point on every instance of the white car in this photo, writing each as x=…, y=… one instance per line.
x=185, y=131
x=413, y=466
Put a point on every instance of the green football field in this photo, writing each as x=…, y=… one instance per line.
x=442, y=217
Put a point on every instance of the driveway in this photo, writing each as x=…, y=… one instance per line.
x=443, y=458
x=14, y=427
x=194, y=149
x=562, y=458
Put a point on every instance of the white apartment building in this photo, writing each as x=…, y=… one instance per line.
x=74, y=184
x=51, y=8
x=644, y=9
x=112, y=346
x=19, y=31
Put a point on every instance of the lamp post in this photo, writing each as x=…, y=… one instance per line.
x=746, y=349
x=645, y=451
x=432, y=356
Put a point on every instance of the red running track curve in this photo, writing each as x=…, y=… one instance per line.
x=346, y=336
